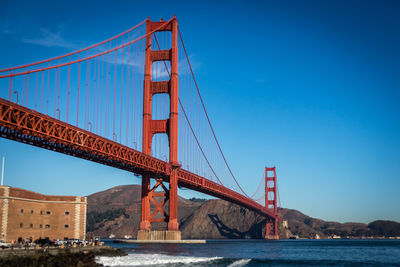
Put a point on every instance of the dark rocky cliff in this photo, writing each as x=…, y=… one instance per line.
x=221, y=219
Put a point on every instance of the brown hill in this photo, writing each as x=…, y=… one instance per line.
x=116, y=211
x=302, y=225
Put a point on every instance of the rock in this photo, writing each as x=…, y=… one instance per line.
x=63, y=258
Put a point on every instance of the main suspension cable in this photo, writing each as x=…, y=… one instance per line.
x=76, y=52
x=78, y=60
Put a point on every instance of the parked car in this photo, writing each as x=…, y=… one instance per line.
x=59, y=242
x=4, y=244
x=80, y=242
x=83, y=242
x=43, y=242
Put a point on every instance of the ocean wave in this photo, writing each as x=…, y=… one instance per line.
x=151, y=259
x=239, y=263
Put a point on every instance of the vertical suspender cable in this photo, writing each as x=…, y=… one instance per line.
x=23, y=91
x=95, y=82
x=68, y=88
x=10, y=87
x=42, y=94
x=27, y=92
x=55, y=92
x=107, y=93
x=77, y=100
x=115, y=89
x=122, y=91
x=133, y=94
x=48, y=91
x=102, y=93
x=36, y=90
x=127, y=97
x=58, y=91
x=98, y=92
x=86, y=94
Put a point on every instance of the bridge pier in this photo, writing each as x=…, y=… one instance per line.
x=173, y=224
x=160, y=235
x=153, y=214
x=145, y=221
x=271, y=229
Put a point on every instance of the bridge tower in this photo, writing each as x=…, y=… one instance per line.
x=169, y=127
x=271, y=227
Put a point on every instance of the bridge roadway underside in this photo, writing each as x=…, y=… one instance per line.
x=30, y=127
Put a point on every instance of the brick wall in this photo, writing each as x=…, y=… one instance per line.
x=31, y=215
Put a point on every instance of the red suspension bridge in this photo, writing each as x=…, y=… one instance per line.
x=118, y=103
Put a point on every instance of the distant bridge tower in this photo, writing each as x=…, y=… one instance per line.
x=271, y=227
x=169, y=127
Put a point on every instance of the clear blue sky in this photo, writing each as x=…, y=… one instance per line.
x=312, y=87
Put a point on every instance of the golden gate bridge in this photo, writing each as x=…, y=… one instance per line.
x=131, y=102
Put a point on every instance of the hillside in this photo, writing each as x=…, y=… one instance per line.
x=125, y=203
x=116, y=211
x=304, y=226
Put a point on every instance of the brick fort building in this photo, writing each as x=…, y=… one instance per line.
x=28, y=215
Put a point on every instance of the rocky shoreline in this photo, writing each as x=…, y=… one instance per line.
x=82, y=256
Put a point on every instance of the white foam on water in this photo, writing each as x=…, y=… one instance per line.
x=239, y=263
x=150, y=259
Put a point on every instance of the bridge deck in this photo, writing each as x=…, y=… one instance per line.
x=28, y=126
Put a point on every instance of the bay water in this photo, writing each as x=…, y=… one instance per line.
x=232, y=253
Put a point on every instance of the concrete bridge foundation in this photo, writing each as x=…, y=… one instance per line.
x=158, y=235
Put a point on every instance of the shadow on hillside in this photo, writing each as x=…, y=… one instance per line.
x=255, y=230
